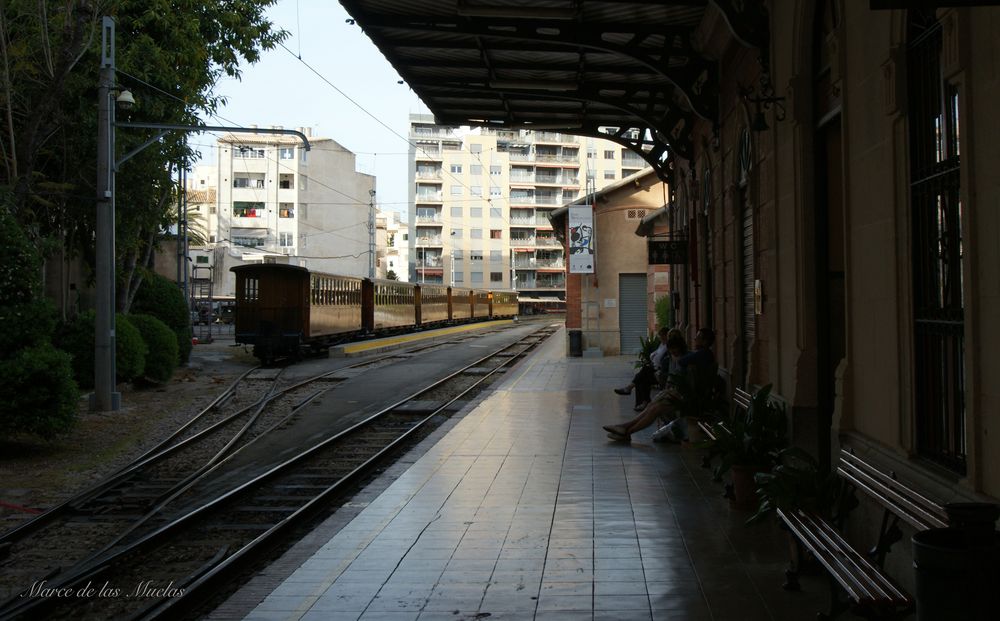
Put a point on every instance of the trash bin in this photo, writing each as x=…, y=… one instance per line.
x=956, y=569
x=575, y=343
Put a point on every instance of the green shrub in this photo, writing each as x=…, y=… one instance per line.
x=77, y=339
x=664, y=312
x=161, y=342
x=130, y=350
x=19, y=268
x=25, y=325
x=160, y=297
x=38, y=392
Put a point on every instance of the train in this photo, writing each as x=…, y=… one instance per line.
x=287, y=310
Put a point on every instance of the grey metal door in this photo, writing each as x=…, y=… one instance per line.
x=631, y=311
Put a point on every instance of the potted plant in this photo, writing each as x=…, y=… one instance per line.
x=796, y=482
x=646, y=349
x=748, y=442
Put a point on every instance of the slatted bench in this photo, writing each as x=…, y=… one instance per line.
x=869, y=591
x=741, y=399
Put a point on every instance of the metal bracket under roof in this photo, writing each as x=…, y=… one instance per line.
x=665, y=52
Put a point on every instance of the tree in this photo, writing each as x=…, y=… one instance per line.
x=391, y=275
x=170, y=53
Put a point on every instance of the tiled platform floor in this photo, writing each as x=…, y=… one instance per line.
x=524, y=510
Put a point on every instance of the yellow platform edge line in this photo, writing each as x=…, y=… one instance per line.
x=419, y=336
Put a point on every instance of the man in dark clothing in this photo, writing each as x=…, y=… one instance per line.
x=700, y=368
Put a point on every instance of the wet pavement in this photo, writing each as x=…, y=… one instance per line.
x=523, y=509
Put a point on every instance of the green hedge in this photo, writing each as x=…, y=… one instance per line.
x=161, y=359
x=162, y=298
x=20, y=263
x=77, y=339
x=38, y=392
x=26, y=325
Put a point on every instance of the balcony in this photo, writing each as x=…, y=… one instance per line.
x=426, y=152
x=544, y=158
x=433, y=261
x=431, y=132
x=544, y=179
x=547, y=242
x=429, y=174
x=550, y=264
x=431, y=220
x=548, y=200
x=556, y=137
x=522, y=221
x=430, y=197
x=428, y=241
x=633, y=161
x=523, y=242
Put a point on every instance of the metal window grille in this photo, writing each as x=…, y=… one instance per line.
x=936, y=217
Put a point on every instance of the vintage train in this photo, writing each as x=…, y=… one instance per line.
x=287, y=310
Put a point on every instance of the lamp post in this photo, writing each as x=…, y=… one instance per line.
x=104, y=398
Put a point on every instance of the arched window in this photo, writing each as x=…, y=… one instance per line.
x=936, y=219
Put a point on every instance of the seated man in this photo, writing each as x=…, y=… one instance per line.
x=649, y=375
x=699, y=366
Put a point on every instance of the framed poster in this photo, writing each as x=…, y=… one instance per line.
x=581, y=239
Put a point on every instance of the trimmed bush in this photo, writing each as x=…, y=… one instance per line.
x=38, y=392
x=161, y=343
x=77, y=339
x=27, y=324
x=130, y=350
x=160, y=297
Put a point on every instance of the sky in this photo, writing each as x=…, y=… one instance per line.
x=281, y=90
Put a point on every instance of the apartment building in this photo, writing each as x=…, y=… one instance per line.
x=480, y=198
x=276, y=201
x=390, y=245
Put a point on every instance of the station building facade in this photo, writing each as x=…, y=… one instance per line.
x=844, y=238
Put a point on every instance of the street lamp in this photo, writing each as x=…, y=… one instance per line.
x=104, y=397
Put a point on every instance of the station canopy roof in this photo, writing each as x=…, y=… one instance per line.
x=628, y=71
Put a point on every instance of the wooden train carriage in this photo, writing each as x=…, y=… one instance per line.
x=272, y=307
x=392, y=303
x=480, y=304
x=334, y=305
x=461, y=303
x=432, y=304
x=503, y=303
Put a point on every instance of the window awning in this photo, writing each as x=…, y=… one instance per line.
x=626, y=71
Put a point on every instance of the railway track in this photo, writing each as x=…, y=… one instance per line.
x=268, y=503
x=98, y=516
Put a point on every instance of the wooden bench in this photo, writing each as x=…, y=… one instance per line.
x=869, y=591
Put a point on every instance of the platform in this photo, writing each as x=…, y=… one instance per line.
x=521, y=508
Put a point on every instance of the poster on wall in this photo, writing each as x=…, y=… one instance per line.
x=581, y=239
